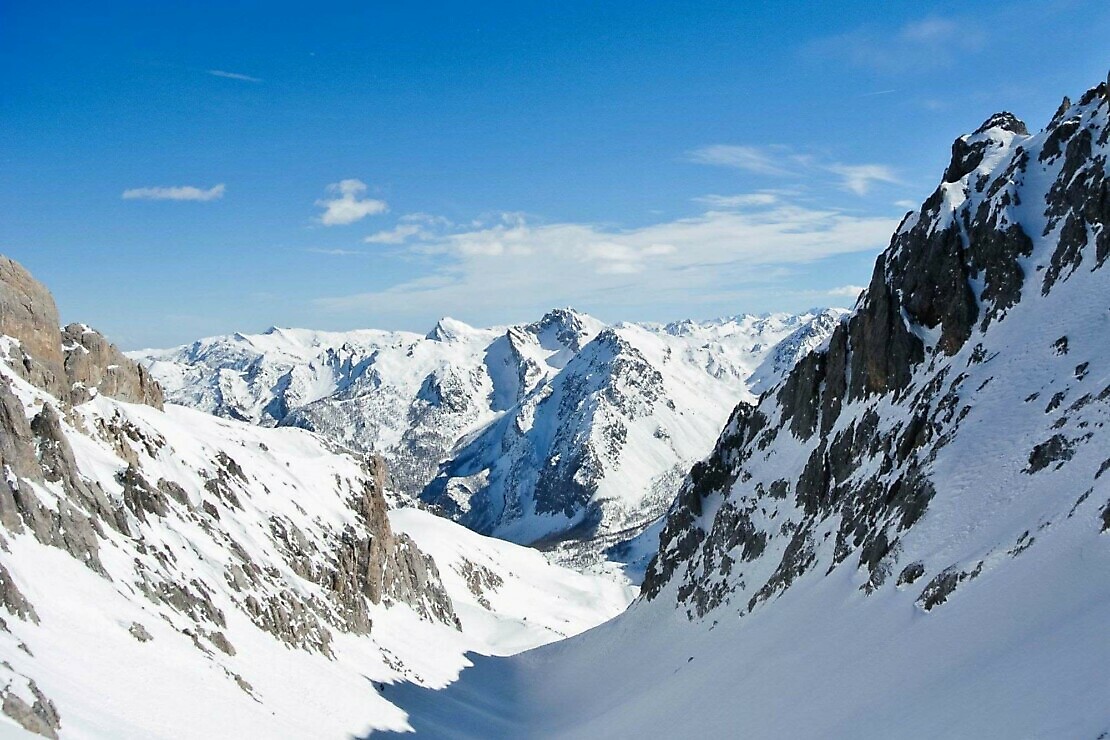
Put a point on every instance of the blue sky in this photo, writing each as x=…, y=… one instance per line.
x=173, y=173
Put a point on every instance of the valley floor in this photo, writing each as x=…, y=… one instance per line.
x=1022, y=654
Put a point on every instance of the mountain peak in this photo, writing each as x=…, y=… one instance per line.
x=448, y=329
x=1006, y=121
x=565, y=316
x=969, y=151
x=929, y=323
x=566, y=327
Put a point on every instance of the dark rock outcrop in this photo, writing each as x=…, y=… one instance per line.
x=850, y=435
x=39, y=717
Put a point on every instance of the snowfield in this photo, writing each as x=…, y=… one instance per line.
x=117, y=663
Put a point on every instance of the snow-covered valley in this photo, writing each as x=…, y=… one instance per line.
x=889, y=522
x=909, y=536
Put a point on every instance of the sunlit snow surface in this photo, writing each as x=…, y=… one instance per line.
x=106, y=683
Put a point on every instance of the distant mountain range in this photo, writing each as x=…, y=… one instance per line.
x=561, y=429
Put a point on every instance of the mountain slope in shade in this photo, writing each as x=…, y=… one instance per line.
x=909, y=536
x=165, y=573
x=562, y=429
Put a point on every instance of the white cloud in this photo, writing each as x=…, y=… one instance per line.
x=347, y=204
x=181, y=192
x=758, y=160
x=514, y=265
x=336, y=252
x=232, y=75
x=744, y=200
x=859, y=177
x=906, y=204
x=399, y=234
x=848, y=291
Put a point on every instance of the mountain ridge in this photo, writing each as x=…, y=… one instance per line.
x=469, y=416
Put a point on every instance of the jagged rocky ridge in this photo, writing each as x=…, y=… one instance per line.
x=971, y=381
x=71, y=365
x=227, y=546
x=562, y=429
x=358, y=563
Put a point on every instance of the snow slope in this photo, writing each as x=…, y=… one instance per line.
x=909, y=536
x=560, y=429
x=166, y=573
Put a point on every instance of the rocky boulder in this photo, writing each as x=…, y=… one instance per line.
x=92, y=362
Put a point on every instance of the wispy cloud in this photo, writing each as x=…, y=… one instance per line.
x=847, y=291
x=512, y=263
x=399, y=234
x=346, y=206
x=180, y=192
x=858, y=178
x=783, y=161
x=336, y=252
x=923, y=45
x=232, y=75
x=743, y=200
x=760, y=161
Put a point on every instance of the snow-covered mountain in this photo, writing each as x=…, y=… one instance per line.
x=166, y=573
x=909, y=536
x=564, y=428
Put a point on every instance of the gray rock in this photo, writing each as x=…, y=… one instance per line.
x=28, y=313
x=92, y=362
x=12, y=599
x=140, y=632
x=71, y=364
x=41, y=717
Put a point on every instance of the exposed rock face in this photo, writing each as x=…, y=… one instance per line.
x=36, y=713
x=28, y=313
x=92, y=362
x=841, y=459
x=71, y=365
x=215, y=522
x=388, y=567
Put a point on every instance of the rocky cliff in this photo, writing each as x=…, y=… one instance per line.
x=968, y=388
x=94, y=365
x=207, y=529
x=28, y=314
x=72, y=364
